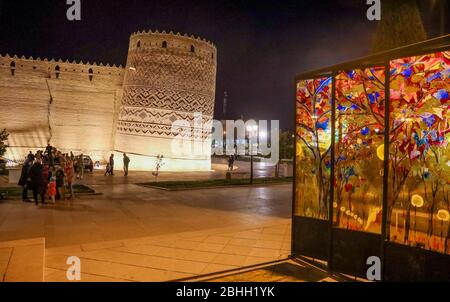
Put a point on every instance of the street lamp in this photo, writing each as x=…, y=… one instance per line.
x=252, y=131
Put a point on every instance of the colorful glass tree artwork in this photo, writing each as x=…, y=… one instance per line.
x=313, y=118
x=418, y=135
x=419, y=151
x=358, y=193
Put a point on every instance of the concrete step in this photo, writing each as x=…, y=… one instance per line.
x=22, y=260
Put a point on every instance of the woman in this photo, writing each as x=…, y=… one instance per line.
x=60, y=178
x=69, y=173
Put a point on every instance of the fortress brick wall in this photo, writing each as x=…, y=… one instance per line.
x=168, y=77
x=96, y=109
x=70, y=105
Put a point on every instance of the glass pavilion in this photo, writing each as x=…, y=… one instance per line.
x=372, y=168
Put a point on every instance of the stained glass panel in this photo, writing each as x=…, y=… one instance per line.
x=419, y=153
x=313, y=121
x=359, y=145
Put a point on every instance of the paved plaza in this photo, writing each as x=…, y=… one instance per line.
x=132, y=233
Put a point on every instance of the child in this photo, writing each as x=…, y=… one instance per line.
x=52, y=189
x=108, y=169
x=60, y=192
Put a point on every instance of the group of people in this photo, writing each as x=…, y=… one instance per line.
x=48, y=174
x=110, y=165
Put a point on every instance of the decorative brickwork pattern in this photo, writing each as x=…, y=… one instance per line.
x=168, y=77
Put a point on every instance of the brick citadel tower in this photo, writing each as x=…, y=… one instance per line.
x=167, y=78
x=97, y=109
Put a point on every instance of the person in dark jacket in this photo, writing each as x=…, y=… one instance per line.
x=126, y=163
x=24, y=180
x=111, y=164
x=60, y=180
x=37, y=182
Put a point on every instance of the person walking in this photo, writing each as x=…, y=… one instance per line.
x=24, y=180
x=108, y=169
x=69, y=173
x=37, y=181
x=111, y=164
x=126, y=163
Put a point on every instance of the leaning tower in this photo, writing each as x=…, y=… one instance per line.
x=168, y=77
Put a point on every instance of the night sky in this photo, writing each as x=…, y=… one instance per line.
x=261, y=44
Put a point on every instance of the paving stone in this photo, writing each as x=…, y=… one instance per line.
x=26, y=263
x=132, y=233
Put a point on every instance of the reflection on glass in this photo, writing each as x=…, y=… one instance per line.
x=359, y=150
x=419, y=174
x=313, y=122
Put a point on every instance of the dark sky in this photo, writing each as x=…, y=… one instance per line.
x=261, y=44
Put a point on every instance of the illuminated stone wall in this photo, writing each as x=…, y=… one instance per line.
x=168, y=77
x=97, y=109
x=70, y=105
